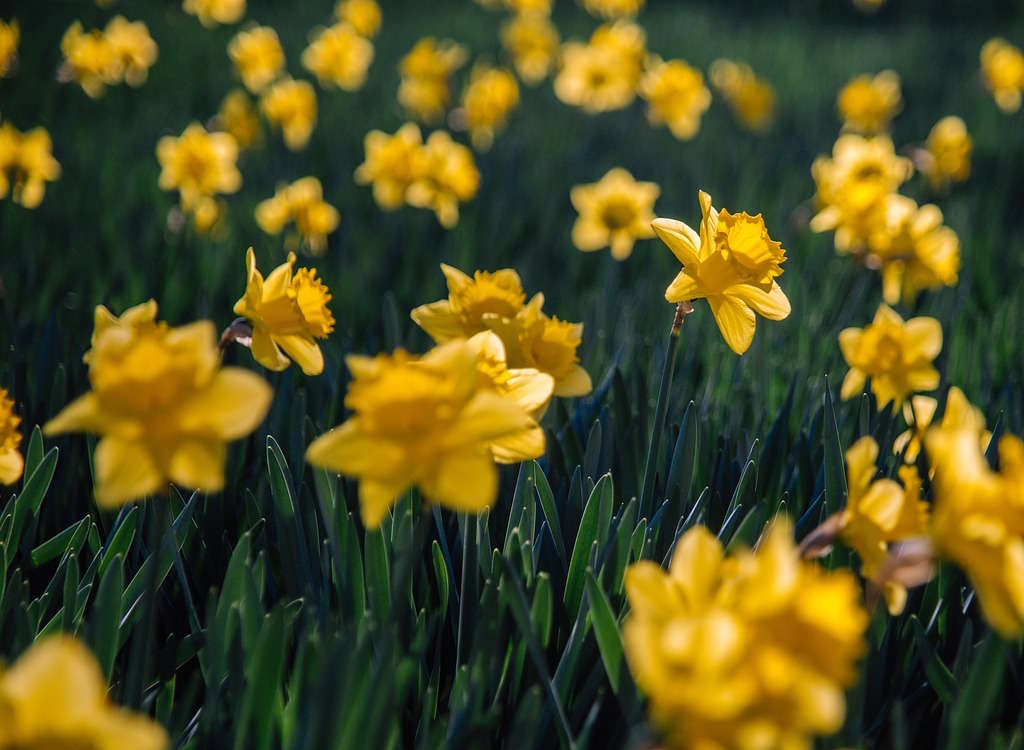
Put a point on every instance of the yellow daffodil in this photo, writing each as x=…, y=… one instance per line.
x=603, y=74
x=919, y=412
x=978, y=515
x=731, y=262
x=339, y=56
x=132, y=47
x=880, y=511
x=258, y=57
x=301, y=202
x=852, y=186
x=612, y=9
x=867, y=103
x=290, y=106
x=239, y=118
x=751, y=99
x=676, y=96
x=9, y=34
x=425, y=90
x=55, y=697
x=896, y=355
x=496, y=302
x=288, y=312
x=948, y=150
x=88, y=59
x=362, y=15
x=751, y=650
x=214, y=12
x=26, y=164
x=426, y=422
x=11, y=462
x=1002, y=69
x=199, y=165
x=450, y=177
x=529, y=7
x=163, y=406
x=531, y=40
x=392, y=163
x=489, y=98
x=613, y=212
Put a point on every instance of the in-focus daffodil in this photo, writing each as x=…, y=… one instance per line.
x=489, y=98
x=339, y=56
x=896, y=355
x=258, y=57
x=290, y=106
x=214, y=12
x=676, y=96
x=867, y=103
x=55, y=697
x=199, y=165
x=733, y=263
x=392, y=163
x=239, y=118
x=948, y=153
x=424, y=422
x=425, y=89
x=531, y=40
x=9, y=34
x=26, y=164
x=288, y=312
x=751, y=99
x=470, y=300
x=1002, y=70
x=450, y=177
x=613, y=212
x=301, y=202
x=163, y=406
x=362, y=15
x=11, y=462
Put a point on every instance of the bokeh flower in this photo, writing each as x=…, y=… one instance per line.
x=391, y=164
x=9, y=35
x=55, y=696
x=26, y=164
x=919, y=412
x=751, y=99
x=425, y=89
x=731, y=262
x=450, y=177
x=948, y=153
x=132, y=47
x=89, y=60
x=676, y=96
x=339, y=56
x=288, y=312
x=613, y=212
x=214, y=12
x=896, y=355
x=490, y=96
x=11, y=462
x=290, y=106
x=613, y=9
x=424, y=422
x=1002, y=70
x=258, y=57
x=867, y=103
x=603, y=74
x=531, y=40
x=239, y=118
x=301, y=202
x=749, y=650
x=162, y=405
x=470, y=300
x=362, y=15
x=199, y=165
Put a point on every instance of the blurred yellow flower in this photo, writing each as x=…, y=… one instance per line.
x=450, y=178
x=896, y=355
x=88, y=59
x=11, y=462
x=163, y=406
x=258, y=57
x=198, y=165
x=488, y=99
x=919, y=412
x=132, y=47
x=287, y=311
x=603, y=74
x=731, y=262
x=880, y=511
x=425, y=91
x=362, y=15
x=301, y=202
x=290, y=106
x=495, y=301
x=853, y=185
x=26, y=164
x=239, y=118
x=949, y=147
x=529, y=7
x=426, y=422
x=751, y=650
x=213, y=12
x=391, y=164
x=751, y=99
x=339, y=56
x=531, y=40
x=55, y=696
x=1002, y=69
x=676, y=96
x=612, y=9
x=867, y=104
x=613, y=212
x=9, y=34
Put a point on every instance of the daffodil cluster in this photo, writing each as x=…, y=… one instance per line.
x=1002, y=69
x=26, y=164
x=752, y=99
x=301, y=203
x=215, y=12
x=603, y=74
x=531, y=40
x=290, y=106
x=123, y=52
x=257, y=56
x=425, y=89
x=362, y=15
x=200, y=166
x=339, y=56
x=488, y=100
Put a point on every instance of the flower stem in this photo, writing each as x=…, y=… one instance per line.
x=682, y=310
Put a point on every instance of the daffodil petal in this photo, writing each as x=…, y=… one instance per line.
x=680, y=239
x=465, y=480
x=348, y=450
x=376, y=498
x=735, y=320
x=575, y=383
x=125, y=471
x=683, y=288
x=925, y=336
x=199, y=464
x=853, y=384
x=230, y=407
x=11, y=466
x=438, y=320
x=772, y=304
x=266, y=352
x=84, y=414
x=519, y=446
x=304, y=351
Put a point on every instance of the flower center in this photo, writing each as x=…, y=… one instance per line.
x=617, y=213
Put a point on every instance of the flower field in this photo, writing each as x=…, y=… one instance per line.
x=519, y=373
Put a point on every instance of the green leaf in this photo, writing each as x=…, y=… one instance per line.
x=547, y=505
x=264, y=672
x=680, y=473
x=597, y=510
x=980, y=696
x=34, y=451
x=440, y=575
x=378, y=579
x=835, y=471
x=606, y=630
x=106, y=616
x=939, y=676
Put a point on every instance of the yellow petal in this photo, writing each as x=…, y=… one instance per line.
x=683, y=288
x=695, y=565
x=375, y=499
x=860, y=462
x=576, y=383
x=849, y=341
x=735, y=320
x=438, y=320
x=11, y=466
x=895, y=598
x=199, y=464
x=588, y=234
x=465, y=480
x=84, y=414
x=486, y=418
x=680, y=238
x=772, y=304
x=304, y=351
x=925, y=335
x=266, y=352
x=529, y=388
x=883, y=504
x=519, y=446
x=651, y=592
x=125, y=471
x=853, y=384
x=230, y=407
x=622, y=245
x=347, y=450
x=57, y=676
